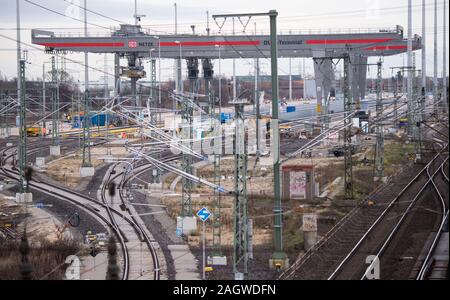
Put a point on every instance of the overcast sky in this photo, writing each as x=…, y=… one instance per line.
x=293, y=16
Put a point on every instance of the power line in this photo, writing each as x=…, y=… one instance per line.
x=341, y=13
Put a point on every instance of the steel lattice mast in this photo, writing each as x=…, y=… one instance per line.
x=410, y=104
x=86, y=132
x=55, y=104
x=3, y=116
x=187, y=136
x=186, y=164
x=379, y=149
x=87, y=118
x=417, y=113
x=435, y=69
x=156, y=178
x=444, y=61
x=240, y=223
x=348, y=108
x=22, y=152
x=208, y=73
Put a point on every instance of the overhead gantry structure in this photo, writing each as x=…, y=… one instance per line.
x=132, y=43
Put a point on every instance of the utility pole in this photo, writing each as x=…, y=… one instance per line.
x=55, y=148
x=379, y=149
x=444, y=61
x=186, y=165
x=187, y=139
x=19, y=49
x=21, y=91
x=86, y=169
x=178, y=81
x=424, y=44
x=435, y=77
x=136, y=19
x=290, y=76
x=3, y=118
x=43, y=98
x=290, y=79
x=257, y=104
x=279, y=259
x=156, y=178
x=348, y=109
x=240, y=223
x=417, y=115
x=217, y=131
x=106, y=96
x=4, y=115
x=22, y=130
x=234, y=73
x=208, y=75
x=410, y=74
x=396, y=97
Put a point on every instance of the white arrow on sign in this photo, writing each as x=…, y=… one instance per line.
x=204, y=214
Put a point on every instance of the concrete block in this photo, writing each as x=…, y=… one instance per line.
x=217, y=260
x=40, y=161
x=87, y=171
x=55, y=150
x=24, y=197
x=186, y=225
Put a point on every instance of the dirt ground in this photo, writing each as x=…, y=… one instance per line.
x=328, y=173
x=67, y=170
x=40, y=224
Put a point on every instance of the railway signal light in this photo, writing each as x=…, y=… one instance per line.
x=28, y=173
x=94, y=251
x=112, y=188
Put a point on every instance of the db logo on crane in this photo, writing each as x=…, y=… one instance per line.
x=132, y=44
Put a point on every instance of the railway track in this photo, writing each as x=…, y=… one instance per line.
x=101, y=211
x=342, y=253
x=394, y=240
x=121, y=179
x=139, y=234
x=8, y=234
x=429, y=264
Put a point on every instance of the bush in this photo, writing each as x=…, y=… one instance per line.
x=46, y=259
